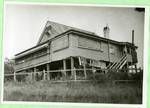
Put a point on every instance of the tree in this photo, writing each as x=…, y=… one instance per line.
x=8, y=66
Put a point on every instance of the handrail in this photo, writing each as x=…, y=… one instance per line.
x=123, y=57
x=115, y=63
x=122, y=61
x=123, y=64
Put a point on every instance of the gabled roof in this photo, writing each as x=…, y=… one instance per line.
x=60, y=29
x=56, y=29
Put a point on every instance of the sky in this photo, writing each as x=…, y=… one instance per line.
x=24, y=23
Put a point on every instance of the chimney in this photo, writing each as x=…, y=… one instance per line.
x=106, y=31
x=133, y=37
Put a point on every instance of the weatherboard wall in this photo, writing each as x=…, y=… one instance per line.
x=102, y=53
x=68, y=45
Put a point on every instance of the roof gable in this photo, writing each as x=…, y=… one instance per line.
x=53, y=29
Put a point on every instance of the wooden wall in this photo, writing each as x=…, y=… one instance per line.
x=73, y=45
x=32, y=63
x=97, y=54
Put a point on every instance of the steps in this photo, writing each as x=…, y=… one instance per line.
x=118, y=64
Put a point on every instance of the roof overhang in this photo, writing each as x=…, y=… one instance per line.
x=97, y=37
x=31, y=50
x=73, y=31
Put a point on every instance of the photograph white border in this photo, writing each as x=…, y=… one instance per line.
x=145, y=58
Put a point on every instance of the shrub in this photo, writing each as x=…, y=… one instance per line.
x=113, y=75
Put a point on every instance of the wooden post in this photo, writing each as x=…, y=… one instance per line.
x=64, y=67
x=135, y=68
x=75, y=76
x=93, y=70
x=44, y=75
x=14, y=76
x=132, y=69
x=72, y=66
x=84, y=68
x=30, y=74
x=127, y=67
x=34, y=74
x=48, y=69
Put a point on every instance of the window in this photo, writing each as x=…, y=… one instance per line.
x=40, y=53
x=48, y=33
x=48, y=30
x=32, y=56
x=111, y=50
x=89, y=44
x=60, y=43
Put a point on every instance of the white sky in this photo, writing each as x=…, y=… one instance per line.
x=23, y=24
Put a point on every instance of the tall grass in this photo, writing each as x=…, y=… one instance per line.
x=90, y=92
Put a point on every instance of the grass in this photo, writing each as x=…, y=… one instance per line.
x=91, y=92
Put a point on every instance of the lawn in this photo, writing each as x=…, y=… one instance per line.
x=84, y=92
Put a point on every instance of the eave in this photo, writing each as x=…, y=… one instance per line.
x=78, y=32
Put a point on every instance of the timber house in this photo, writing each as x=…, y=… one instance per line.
x=61, y=47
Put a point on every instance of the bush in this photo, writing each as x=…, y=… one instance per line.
x=113, y=75
x=137, y=76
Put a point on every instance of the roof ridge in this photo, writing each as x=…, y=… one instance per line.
x=72, y=27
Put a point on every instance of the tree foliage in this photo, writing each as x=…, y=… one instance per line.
x=8, y=66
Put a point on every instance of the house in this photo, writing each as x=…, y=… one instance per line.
x=61, y=47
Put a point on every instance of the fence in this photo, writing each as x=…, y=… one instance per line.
x=74, y=75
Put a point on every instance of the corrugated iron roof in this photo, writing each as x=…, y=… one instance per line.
x=60, y=29
x=56, y=29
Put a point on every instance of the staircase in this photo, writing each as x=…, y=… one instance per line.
x=119, y=63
